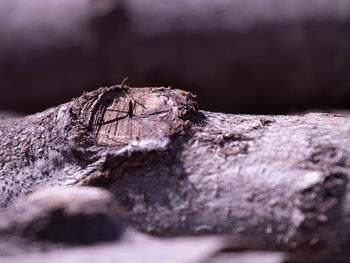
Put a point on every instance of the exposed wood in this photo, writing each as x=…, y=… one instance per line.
x=179, y=171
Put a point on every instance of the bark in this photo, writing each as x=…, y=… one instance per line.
x=176, y=170
x=289, y=55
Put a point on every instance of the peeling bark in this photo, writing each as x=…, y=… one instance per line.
x=180, y=171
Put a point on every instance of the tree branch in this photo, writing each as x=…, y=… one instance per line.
x=189, y=172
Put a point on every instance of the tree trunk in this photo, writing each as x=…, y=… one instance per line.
x=291, y=55
x=180, y=171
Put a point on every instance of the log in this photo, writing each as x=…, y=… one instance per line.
x=179, y=171
x=259, y=56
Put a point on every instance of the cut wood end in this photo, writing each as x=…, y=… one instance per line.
x=119, y=115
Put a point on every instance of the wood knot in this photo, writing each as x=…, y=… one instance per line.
x=121, y=115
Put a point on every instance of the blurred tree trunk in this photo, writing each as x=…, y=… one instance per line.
x=180, y=171
x=278, y=56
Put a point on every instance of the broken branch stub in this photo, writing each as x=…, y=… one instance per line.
x=70, y=143
x=117, y=116
x=136, y=114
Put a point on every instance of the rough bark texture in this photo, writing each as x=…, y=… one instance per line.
x=179, y=171
x=257, y=56
x=69, y=144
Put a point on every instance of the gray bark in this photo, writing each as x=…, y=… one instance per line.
x=179, y=171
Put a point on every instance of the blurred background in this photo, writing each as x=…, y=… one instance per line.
x=238, y=56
